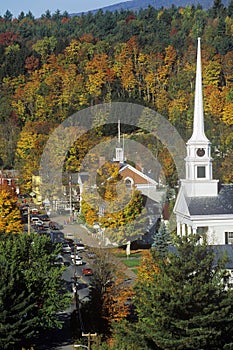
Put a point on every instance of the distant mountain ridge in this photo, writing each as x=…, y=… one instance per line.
x=136, y=5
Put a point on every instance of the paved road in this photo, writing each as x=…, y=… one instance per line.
x=77, y=232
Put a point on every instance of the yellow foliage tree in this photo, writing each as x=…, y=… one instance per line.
x=10, y=218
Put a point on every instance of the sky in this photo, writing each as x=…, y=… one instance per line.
x=39, y=7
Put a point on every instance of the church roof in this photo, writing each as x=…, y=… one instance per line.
x=219, y=205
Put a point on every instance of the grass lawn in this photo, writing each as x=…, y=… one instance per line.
x=131, y=262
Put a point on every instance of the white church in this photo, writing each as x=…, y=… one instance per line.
x=203, y=205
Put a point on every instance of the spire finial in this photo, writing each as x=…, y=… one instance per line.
x=198, y=120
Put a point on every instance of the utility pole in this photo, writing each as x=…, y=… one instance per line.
x=89, y=335
x=29, y=222
x=70, y=195
x=75, y=282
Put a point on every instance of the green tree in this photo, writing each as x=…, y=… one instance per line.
x=161, y=240
x=45, y=47
x=186, y=305
x=31, y=289
x=8, y=16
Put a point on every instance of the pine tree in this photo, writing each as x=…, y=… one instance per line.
x=161, y=239
x=15, y=303
x=186, y=305
x=31, y=289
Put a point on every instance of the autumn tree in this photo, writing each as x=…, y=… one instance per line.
x=30, y=145
x=117, y=208
x=109, y=293
x=10, y=218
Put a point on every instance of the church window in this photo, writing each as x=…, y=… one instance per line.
x=228, y=237
x=200, y=172
x=128, y=182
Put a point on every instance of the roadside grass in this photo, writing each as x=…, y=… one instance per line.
x=131, y=262
x=122, y=254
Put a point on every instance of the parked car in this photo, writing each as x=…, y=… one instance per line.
x=87, y=271
x=55, y=225
x=66, y=248
x=77, y=261
x=44, y=217
x=35, y=219
x=34, y=211
x=69, y=241
x=59, y=260
x=72, y=255
x=39, y=223
x=79, y=246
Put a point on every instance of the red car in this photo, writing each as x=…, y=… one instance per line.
x=87, y=271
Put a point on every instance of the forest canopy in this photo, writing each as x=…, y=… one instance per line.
x=56, y=65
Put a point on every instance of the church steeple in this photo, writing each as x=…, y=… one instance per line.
x=199, y=180
x=119, y=150
x=198, y=120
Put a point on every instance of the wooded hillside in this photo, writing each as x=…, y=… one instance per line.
x=57, y=65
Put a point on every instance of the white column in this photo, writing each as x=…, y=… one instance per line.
x=178, y=228
x=189, y=230
x=183, y=229
x=194, y=230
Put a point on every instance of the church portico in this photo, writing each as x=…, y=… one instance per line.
x=183, y=228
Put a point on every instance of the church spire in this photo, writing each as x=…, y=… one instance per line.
x=198, y=120
x=198, y=180
x=119, y=150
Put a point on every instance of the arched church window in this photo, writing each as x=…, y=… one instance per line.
x=128, y=183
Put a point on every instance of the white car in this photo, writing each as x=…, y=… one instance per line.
x=73, y=255
x=35, y=219
x=79, y=246
x=77, y=261
x=66, y=248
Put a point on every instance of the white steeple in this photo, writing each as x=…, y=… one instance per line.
x=198, y=120
x=119, y=150
x=199, y=180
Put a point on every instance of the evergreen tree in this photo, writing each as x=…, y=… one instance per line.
x=217, y=8
x=31, y=289
x=186, y=305
x=230, y=8
x=15, y=306
x=161, y=240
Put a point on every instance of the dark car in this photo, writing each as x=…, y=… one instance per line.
x=55, y=225
x=44, y=217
